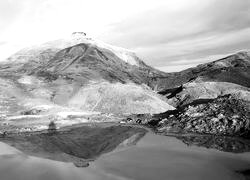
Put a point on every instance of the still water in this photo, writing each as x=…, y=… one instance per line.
x=151, y=157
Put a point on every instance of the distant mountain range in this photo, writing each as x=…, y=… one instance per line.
x=80, y=74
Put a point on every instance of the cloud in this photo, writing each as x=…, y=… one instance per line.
x=206, y=28
x=199, y=47
x=2, y=43
x=8, y=13
x=175, y=68
x=162, y=32
x=181, y=64
x=163, y=26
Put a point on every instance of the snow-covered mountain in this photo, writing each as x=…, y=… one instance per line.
x=35, y=52
x=76, y=76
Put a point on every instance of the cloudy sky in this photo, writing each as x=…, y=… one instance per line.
x=167, y=34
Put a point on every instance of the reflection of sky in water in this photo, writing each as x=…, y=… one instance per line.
x=154, y=157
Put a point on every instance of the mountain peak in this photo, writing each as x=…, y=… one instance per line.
x=79, y=34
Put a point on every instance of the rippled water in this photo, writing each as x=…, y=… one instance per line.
x=153, y=157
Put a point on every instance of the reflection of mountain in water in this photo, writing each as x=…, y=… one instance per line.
x=78, y=145
x=221, y=143
x=245, y=173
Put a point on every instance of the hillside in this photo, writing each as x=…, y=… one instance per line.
x=233, y=69
x=230, y=75
x=80, y=56
x=75, y=76
x=211, y=98
x=79, y=79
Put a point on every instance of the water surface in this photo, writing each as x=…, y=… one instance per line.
x=143, y=157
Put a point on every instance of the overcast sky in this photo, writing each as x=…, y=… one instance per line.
x=167, y=34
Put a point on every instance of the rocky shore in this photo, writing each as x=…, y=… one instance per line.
x=224, y=115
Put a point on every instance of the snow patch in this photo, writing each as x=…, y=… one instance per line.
x=29, y=80
x=44, y=107
x=69, y=122
x=124, y=54
x=24, y=116
x=65, y=114
x=68, y=41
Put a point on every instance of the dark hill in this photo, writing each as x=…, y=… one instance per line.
x=234, y=69
x=90, y=62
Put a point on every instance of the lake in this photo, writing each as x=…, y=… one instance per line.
x=138, y=155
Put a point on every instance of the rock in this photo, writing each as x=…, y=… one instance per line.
x=79, y=34
x=31, y=112
x=217, y=118
x=81, y=163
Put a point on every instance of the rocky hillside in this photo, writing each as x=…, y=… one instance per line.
x=225, y=115
x=233, y=69
x=118, y=99
x=210, y=80
x=82, y=59
x=75, y=76
x=212, y=98
x=222, y=115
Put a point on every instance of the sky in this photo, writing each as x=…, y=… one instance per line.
x=170, y=35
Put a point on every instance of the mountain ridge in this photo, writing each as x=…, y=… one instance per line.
x=80, y=75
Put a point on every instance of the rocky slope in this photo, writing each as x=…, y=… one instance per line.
x=216, y=100
x=118, y=99
x=76, y=76
x=212, y=98
x=81, y=58
x=224, y=115
x=233, y=69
